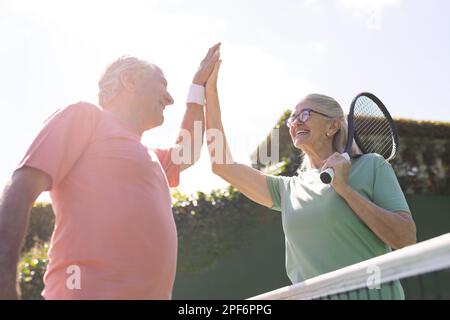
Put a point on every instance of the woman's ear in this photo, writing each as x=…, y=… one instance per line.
x=333, y=128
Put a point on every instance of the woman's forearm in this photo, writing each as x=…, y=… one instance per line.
x=246, y=179
x=251, y=182
x=215, y=135
x=397, y=229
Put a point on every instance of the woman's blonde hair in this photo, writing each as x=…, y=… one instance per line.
x=330, y=107
x=109, y=84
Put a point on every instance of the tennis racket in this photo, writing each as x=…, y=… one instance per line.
x=372, y=128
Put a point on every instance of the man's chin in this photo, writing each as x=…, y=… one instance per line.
x=160, y=121
x=155, y=124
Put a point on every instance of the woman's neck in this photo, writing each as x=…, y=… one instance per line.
x=317, y=156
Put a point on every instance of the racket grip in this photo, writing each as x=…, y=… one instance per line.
x=327, y=175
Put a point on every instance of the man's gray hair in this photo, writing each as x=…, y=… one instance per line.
x=109, y=84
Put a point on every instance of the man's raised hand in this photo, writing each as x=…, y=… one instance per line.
x=207, y=65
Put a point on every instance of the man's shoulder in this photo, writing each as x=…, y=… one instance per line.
x=83, y=107
x=79, y=109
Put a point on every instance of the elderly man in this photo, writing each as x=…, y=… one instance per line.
x=115, y=236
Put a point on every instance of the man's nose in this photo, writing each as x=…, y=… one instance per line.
x=169, y=99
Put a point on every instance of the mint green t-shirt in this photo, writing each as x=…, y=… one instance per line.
x=322, y=232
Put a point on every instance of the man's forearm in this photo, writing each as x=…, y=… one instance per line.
x=194, y=124
x=14, y=213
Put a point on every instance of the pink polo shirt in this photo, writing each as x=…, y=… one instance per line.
x=113, y=216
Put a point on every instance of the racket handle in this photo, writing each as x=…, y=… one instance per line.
x=327, y=175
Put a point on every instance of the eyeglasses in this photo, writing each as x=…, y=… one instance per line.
x=303, y=116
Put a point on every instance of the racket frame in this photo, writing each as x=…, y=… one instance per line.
x=386, y=113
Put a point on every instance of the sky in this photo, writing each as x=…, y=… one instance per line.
x=274, y=53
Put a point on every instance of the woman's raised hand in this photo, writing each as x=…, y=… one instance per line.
x=207, y=65
x=211, y=83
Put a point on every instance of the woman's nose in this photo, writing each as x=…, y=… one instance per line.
x=297, y=122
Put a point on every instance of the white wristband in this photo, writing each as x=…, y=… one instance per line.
x=196, y=94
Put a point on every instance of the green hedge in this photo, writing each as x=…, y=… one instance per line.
x=40, y=226
x=31, y=272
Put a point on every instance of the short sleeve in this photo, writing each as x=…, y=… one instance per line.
x=61, y=141
x=387, y=192
x=171, y=169
x=274, y=184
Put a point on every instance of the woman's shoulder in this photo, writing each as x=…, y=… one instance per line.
x=369, y=164
x=279, y=179
x=370, y=159
x=285, y=182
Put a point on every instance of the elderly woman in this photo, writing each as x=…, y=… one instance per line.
x=361, y=215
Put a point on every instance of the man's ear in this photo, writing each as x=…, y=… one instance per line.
x=128, y=80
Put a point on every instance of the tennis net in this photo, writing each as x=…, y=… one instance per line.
x=420, y=271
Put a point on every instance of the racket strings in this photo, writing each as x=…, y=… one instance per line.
x=373, y=129
x=382, y=146
x=378, y=136
x=378, y=141
x=371, y=115
x=370, y=121
x=381, y=137
x=376, y=125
